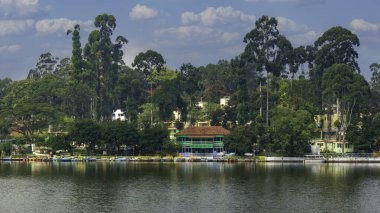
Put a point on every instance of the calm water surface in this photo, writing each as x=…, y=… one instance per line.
x=188, y=187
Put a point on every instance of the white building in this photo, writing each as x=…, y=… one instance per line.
x=118, y=115
x=224, y=101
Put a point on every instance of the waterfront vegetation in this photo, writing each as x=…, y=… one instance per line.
x=276, y=93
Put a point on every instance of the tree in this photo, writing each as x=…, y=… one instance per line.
x=76, y=58
x=375, y=88
x=336, y=46
x=130, y=92
x=46, y=64
x=6, y=148
x=118, y=133
x=144, y=118
x=105, y=58
x=267, y=48
x=59, y=142
x=168, y=98
x=349, y=90
x=375, y=79
x=86, y=132
x=240, y=140
x=147, y=63
x=4, y=86
x=28, y=118
x=152, y=139
x=63, y=68
x=291, y=130
x=31, y=105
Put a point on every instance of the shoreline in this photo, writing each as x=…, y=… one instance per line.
x=181, y=159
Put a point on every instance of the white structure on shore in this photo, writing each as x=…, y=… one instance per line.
x=118, y=115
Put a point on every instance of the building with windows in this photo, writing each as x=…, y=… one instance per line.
x=118, y=115
x=329, y=138
x=201, y=140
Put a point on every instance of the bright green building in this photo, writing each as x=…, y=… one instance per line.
x=205, y=140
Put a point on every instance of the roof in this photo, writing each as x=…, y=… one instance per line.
x=197, y=131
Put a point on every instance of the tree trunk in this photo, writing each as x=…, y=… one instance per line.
x=151, y=102
x=261, y=102
x=267, y=112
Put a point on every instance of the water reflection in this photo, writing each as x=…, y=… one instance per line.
x=195, y=187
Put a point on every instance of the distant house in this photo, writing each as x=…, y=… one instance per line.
x=328, y=140
x=118, y=115
x=201, y=141
x=224, y=101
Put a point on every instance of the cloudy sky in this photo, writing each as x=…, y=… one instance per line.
x=196, y=31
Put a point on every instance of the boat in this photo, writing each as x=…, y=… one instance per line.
x=75, y=160
x=120, y=159
x=314, y=159
x=7, y=159
x=89, y=159
x=65, y=159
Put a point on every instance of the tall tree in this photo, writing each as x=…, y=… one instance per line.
x=77, y=58
x=348, y=90
x=336, y=46
x=375, y=78
x=267, y=48
x=130, y=92
x=291, y=130
x=45, y=64
x=149, y=62
x=105, y=58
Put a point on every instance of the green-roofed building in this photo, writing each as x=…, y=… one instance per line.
x=205, y=140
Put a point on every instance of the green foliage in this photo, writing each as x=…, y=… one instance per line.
x=171, y=148
x=291, y=130
x=86, y=132
x=130, y=92
x=6, y=148
x=144, y=116
x=59, y=142
x=240, y=140
x=152, y=139
x=94, y=81
x=168, y=98
x=335, y=46
x=375, y=78
x=118, y=133
x=46, y=64
x=148, y=62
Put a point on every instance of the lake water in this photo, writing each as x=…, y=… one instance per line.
x=188, y=187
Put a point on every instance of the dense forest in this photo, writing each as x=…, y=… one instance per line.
x=277, y=90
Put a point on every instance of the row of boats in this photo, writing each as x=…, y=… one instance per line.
x=75, y=159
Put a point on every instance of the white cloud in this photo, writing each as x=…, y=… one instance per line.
x=11, y=8
x=212, y=25
x=227, y=36
x=213, y=16
x=185, y=31
x=8, y=27
x=201, y=34
x=22, y=4
x=285, y=24
x=306, y=38
x=60, y=24
x=363, y=25
x=139, y=12
x=10, y=48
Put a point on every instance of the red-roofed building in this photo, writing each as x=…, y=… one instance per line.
x=202, y=140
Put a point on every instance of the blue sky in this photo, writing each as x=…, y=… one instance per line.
x=195, y=31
